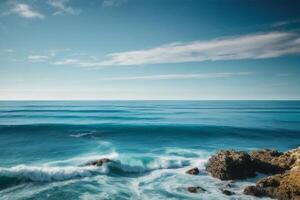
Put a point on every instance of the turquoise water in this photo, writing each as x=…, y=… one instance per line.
x=44, y=146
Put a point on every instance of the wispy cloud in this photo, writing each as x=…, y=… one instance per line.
x=38, y=58
x=61, y=7
x=47, y=56
x=256, y=46
x=285, y=23
x=111, y=3
x=180, y=76
x=66, y=62
x=25, y=11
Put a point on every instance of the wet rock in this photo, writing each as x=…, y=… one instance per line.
x=193, y=171
x=227, y=192
x=99, y=162
x=254, y=191
x=262, y=161
x=230, y=165
x=196, y=189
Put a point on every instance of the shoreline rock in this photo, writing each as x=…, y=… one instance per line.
x=283, y=184
x=230, y=165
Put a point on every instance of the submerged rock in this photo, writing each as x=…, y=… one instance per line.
x=196, y=189
x=99, y=162
x=231, y=165
x=193, y=171
x=227, y=192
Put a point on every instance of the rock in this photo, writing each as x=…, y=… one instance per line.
x=270, y=181
x=227, y=192
x=230, y=165
x=193, y=171
x=281, y=186
x=262, y=161
x=288, y=160
x=99, y=162
x=196, y=189
x=254, y=191
x=289, y=187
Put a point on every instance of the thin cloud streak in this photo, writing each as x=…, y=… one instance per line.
x=25, y=11
x=180, y=76
x=61, y=8
x=257, y=46
x=112, y=3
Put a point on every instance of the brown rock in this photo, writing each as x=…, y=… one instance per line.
x=262, y=161
x=230, y=165
x=270, y=181
x=289, y=187
x=196, y=189
x=288, y=160
x=227, y=192
x=254, y=191
x=193, y=171
x=281, y=186
x=99, y=162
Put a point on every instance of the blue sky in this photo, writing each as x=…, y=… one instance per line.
x=154, y=49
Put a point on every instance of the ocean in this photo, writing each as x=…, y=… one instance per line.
x=44, y=146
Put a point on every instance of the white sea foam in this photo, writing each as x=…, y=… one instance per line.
x=46, y=174
x=81, y=134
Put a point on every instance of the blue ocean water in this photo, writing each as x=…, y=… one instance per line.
x=45, y=144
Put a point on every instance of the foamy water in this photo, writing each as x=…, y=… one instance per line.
x=44, y=146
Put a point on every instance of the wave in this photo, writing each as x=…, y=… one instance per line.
x=48, y=173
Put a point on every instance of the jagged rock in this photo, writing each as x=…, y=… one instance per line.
x=281, y=186
x=262, y=161
x=288, y=160
x=193, y=171
x=227, y=192
x=99, y=162
x=196, y=189
x=231, y=165
x=289, y=187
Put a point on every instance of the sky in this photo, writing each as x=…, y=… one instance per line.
x=149, y=49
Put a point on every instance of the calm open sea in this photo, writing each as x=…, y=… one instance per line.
x=45, y=144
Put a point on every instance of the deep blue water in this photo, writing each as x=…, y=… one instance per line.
x=44, y=145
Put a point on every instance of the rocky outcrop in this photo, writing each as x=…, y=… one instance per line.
x=230, y=165
x=99, y=162
x=272, y=162
x=289, y=187
x=262, y=161
x=193, y=171
x=196, y=189
x=265, y=187
x=282, y=186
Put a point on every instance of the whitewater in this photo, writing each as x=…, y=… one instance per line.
x=45, y=145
